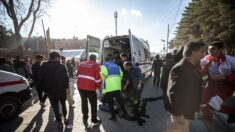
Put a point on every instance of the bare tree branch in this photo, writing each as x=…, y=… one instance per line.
x=34, y=18
x=12, y=11
x=7, y=7
x=28, y=14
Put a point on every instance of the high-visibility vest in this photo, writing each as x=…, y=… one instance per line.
x=111, y=75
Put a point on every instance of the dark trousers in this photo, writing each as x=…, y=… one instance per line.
x=117, y=96
x=92, y=97
x=156, y=78
x=137, y=95
x=41, y=95
x=54, y=104
x=165, y=99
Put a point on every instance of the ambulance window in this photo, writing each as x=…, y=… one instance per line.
x=146, y=55
x=139, y=52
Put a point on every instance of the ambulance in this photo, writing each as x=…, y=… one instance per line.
x=14, y=91
x=138, y=51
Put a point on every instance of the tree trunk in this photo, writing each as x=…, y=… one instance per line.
x=19, y=44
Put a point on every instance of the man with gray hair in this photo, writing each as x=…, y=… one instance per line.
x=184, y=90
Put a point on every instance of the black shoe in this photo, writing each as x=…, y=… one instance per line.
x=113, y=118
x=86, y=124
x=231, y=119
x=97, y=123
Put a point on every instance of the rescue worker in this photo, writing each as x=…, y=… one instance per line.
x=220, y=78
x=157, y=64
x=88, y=81
x=111, y=75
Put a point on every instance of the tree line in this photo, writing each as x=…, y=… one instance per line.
x=8, y=41
x=207, y=21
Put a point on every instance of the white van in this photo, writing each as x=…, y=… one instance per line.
x=14, y=91
x=78, y=54
x=137, y=51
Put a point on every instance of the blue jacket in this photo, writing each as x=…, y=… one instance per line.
x=135, y=75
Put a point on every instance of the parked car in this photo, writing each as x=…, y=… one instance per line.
x=14, y=91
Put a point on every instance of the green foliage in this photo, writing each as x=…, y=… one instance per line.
x=207, y=20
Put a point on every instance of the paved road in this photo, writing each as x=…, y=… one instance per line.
x=34, y=119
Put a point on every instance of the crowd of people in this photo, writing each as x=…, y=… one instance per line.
x=190, y=82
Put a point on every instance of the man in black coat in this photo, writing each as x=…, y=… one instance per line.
x=35, y=70
x=185, y=87
x=166, y=68
x=157, y=64
x=54, y=79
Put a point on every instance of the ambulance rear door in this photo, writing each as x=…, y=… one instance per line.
x=93, y=46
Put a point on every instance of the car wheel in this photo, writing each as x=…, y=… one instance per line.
x=10, y=107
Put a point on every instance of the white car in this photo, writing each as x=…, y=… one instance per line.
x=14, y=91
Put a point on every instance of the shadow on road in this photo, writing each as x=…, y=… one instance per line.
x=51, y=122
x=37, y=119
x=5, y=127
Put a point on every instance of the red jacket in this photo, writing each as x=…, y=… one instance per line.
x=88, y=74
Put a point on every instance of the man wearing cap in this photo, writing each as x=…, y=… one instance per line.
x=220, y=80
x=167, y=66
x=111, y=75
x=88, y=82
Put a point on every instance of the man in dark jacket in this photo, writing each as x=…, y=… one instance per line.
x=135, y=77
x=157, y=64
x=35, y=70
x=179, y=55
x=185, y=87
x=19, y=66
x=167, y=66
x=54, y=79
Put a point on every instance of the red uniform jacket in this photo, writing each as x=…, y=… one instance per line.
x=88, y=75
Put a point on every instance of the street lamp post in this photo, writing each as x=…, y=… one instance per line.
x=115, y=17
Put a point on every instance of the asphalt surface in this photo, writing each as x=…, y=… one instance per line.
x=34, y=119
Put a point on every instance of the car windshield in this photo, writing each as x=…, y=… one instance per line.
x=72, y=53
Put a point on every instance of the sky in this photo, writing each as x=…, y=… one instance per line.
x=147, y=19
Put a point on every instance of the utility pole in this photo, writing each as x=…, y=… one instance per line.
x=167, y=38
x=115, y=17
x=45, y=36
x=37, y=42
